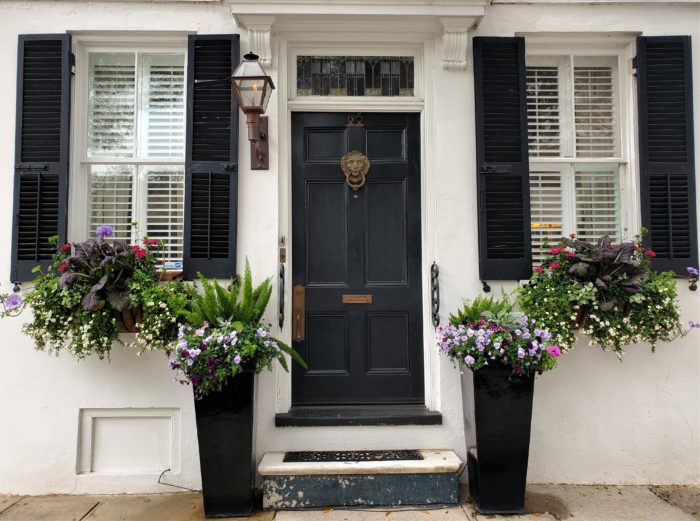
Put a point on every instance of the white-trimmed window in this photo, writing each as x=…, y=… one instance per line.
x=134, y=145
x=574, y=147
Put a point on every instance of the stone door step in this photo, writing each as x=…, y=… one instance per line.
x=295, y=485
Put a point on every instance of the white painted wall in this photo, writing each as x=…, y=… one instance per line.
x=595, y=420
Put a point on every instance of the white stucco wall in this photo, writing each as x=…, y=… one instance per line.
x=595, y=420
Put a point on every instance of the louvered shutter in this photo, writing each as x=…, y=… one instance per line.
x=211, y=164
x=502, y=158
x=667, y=166
x=41, y=150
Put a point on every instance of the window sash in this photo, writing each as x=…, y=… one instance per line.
x=588, y=204
x=155, y=151
x=587, y=104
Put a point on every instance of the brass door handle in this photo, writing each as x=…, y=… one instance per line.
x=299, y=308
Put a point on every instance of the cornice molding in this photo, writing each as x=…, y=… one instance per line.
x=455, y=39
x=259, y=35
x=400, y=8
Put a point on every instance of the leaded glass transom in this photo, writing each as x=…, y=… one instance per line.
x=355, y=76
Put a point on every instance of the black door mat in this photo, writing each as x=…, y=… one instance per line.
x=351, y=455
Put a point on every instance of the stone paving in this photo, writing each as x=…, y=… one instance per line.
x=543, y=503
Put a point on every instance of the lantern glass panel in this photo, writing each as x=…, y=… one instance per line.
x=251, y=92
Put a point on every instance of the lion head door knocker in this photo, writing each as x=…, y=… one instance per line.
x=355, y=166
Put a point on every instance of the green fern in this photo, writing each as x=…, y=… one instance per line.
x=217, y=303
x=471, y=311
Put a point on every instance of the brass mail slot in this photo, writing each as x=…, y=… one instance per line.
x=357, y=299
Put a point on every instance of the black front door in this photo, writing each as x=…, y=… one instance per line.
x=357, y=261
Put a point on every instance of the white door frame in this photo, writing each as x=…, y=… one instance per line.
x=342, y=39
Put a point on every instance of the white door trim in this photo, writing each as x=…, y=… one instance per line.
x=423, y=47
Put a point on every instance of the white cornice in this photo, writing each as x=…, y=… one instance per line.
x=593, y=2
x=402, y=8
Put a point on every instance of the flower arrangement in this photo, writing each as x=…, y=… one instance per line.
x=224, y=335
x=608, y=291
x=95, y=289
x=487, y=331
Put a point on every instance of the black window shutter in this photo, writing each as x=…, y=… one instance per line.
x=211, y=158
x=42, y=138
x=505, y=251
x=666, y=152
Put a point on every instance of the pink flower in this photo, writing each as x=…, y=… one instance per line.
x=570, y=253
x=554, y=251
x=141, y=253
x=554, y=265
x=651, y=253
x=63, y=266
x=538, y=269
x=554, y=350
x=65, y=247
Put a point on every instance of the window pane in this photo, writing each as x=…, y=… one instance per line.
x=355, y=76
x=111, y=199
x=595, y=108
x=546, y=211
x=162, y=106
x=543, y=113
x=597, y=202
x=165, y=188
x=111, y=105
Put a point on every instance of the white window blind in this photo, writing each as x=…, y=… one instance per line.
x=111, y=115
x=163, y=106
x=137, y=110
x=543, y=111
x=573, y=126
x=164, y=209
x=595, y=111
x=597, y=202
x=111, y=198
x=546, y=200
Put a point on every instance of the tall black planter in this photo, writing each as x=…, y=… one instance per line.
x=502, y=414
x=225, y=435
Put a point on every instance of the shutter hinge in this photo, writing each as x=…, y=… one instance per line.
x=229, y=167
x=496, y=169
x=635, y=62
x=44, y=167
x=71, y=62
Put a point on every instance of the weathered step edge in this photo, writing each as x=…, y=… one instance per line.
x=433, y=462
x=297, y=485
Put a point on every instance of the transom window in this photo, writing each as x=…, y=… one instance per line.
x=136, y=146
x=355, y=76
x=574, y=146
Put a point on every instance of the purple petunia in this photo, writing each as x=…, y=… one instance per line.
x=469, y=360
x=13, y=301
x=237, y=359
x=693, y=325
x=693, y=271
x=104, y=231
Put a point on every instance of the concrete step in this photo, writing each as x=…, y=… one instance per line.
x=296, y=485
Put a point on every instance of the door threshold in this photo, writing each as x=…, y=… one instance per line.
x=339, y=415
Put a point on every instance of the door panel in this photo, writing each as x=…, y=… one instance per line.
x=363, y=245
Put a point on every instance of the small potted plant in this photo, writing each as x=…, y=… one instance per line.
x=95, y=290
x=607, y=291
x=219, y=350
x=505, y=350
